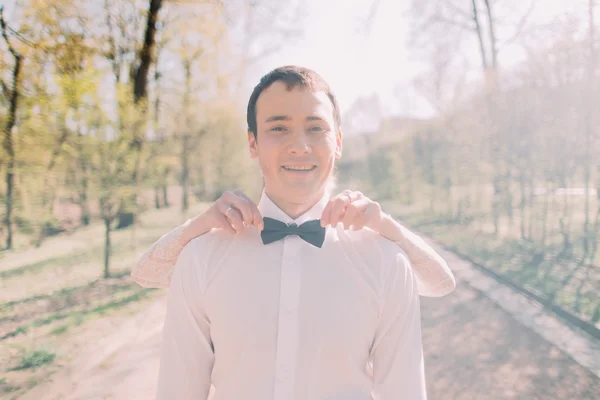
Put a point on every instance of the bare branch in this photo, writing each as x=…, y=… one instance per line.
x=491, y=23
x=520, y=26
x=448, y=21
x=5, y=90
x=458, y=11
x=479, y=36
x=372, y=12
x=4, y=27
x=111, y=42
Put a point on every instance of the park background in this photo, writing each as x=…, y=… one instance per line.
x=474, y=122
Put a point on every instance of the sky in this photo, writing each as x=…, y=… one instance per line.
x=353, y=61
x=359, y=63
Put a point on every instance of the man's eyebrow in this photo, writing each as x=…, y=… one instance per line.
x=278, y=118
x=315, y=118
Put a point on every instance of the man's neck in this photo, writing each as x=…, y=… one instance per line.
x=295, y=209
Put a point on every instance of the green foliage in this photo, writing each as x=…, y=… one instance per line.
x=35, y=359
x=20, y=330
x=59, y=330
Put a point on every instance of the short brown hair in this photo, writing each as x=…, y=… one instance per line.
x=292, y=76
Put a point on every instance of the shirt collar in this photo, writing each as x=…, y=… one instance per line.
x=269, y=209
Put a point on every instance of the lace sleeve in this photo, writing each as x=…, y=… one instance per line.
x=155, y=266
x=434, y=277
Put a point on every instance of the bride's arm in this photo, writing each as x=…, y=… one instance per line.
x=434, y=278
x=155, y=267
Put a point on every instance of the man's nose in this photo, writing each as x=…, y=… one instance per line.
x=299, y=144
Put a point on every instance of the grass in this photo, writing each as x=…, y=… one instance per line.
x=62, y=293
x=20, y=330
x=54, y=296
x=77, y=317
x=60, y=330
x=561, y=277
x=35, y=359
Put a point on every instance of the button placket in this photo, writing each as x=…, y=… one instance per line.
x=287, y=335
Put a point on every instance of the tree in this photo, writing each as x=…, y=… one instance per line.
x=140, y=71
x=12, y=95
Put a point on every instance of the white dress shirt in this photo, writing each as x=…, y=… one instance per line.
x=290, y=321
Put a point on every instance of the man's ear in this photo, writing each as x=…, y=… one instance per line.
x=338, y=144
x=252, y=145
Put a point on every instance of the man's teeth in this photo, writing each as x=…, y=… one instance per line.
x=299, y=168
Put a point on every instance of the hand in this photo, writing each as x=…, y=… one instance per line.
x=354, y=210
x=233, y=211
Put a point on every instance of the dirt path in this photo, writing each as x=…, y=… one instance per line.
x=122, y=365
x=474, y=350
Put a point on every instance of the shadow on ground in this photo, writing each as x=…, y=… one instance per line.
x=475, y=350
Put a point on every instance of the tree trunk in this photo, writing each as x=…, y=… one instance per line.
x=165, y=194
x=508, y=197
x=84, y=183
x=522, y=204
x=86, y=215
x=531, y=205
x=496, y=202
x=545, y=215
x=484, y=62
x=490, y=15
x=107, y=249
x=140, y=78
x=595, y=238
x=564, y=223
x=589, y=126
x=185, y=173
x=157, y=197
x=140, y=93
x=8, y=143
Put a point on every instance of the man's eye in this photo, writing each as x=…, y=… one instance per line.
x=316, y=129
x=278, y=129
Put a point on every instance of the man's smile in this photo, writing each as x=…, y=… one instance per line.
x=299, y=168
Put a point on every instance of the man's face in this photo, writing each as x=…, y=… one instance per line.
x=297, y=142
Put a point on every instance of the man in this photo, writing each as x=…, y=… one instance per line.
x=294, y=306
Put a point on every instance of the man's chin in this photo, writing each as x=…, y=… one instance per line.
x=301, y=194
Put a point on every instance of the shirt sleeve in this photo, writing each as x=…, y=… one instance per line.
x=155, y=267
x=397, y=352
x=434, y=277
x=187, y=353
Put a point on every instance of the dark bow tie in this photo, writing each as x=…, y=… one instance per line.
x=310, y=231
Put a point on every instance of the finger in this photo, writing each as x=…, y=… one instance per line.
x=242, y=204
x=339, y=206
x=333, y=208
x=325, y=214
x=336, y=212
x=354, y=212
x=371, y=215
x=331, y=204
x=360, y=221
x=225, y=224
x=257, y=219
x=233, y=215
